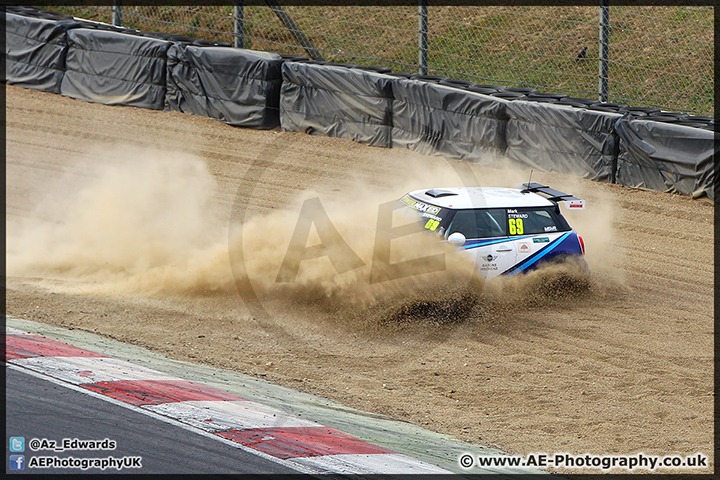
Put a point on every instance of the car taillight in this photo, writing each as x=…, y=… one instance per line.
x=582, y=244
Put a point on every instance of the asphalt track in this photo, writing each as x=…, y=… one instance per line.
x=38, y=408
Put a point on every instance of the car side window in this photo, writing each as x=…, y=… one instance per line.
x=480, y=223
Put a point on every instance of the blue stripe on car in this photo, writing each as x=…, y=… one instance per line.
x=483, y=243
x=558, y=246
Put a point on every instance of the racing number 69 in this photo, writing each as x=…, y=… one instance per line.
x=516, y=226
x=432, y=225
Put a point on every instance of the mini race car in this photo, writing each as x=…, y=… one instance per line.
x=506, y=230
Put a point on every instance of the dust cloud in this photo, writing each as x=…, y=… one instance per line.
x=135, y=220
x=146, y=222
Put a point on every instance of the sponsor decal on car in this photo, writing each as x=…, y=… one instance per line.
x=434, y=217
x=420, y=206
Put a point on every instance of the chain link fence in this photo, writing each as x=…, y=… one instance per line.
x=657, y=56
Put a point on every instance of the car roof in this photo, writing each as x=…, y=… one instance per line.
x=480, y=197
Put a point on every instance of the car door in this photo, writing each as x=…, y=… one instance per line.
x=487, y=240
x=495, y=257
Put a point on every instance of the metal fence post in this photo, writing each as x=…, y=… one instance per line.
x=294, y=29
x=604, y=42
x=423, y=37
x=117, y=13
x=239, y=28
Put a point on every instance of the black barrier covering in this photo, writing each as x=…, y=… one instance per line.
x=665, y=157
x=436, y=119
x=35, y=51
x=562, y=139
x=336, y=101
x=112, y=65
x=236, y=86
x=115, y=68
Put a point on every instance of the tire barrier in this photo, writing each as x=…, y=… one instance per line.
x=637, y=147
x=115, y=68
x=562, y=139
x=235, y=86
x=665, y=157
x=35, y=51
x=337, y=101
x=432, y=118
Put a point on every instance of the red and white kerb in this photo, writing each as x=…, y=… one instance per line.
x=299, y=443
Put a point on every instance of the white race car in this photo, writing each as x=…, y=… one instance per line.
x=507, y=230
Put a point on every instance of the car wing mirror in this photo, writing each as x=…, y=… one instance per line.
x=457, y=238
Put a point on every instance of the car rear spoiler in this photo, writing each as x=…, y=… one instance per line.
x=553, y=195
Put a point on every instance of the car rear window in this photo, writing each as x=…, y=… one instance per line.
x=533, y=221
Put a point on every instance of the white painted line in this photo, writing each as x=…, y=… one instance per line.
x=386, y=463
x=213, y=416
x=307, y=469
x=79, y=370
x=14, y=331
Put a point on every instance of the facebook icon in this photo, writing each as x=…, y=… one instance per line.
x=17, y=462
